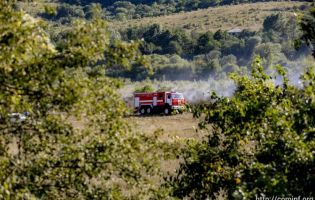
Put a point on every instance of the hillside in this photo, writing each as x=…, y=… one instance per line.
x=180, y=46
x=244, y=16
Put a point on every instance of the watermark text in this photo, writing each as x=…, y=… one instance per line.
x=284, y=198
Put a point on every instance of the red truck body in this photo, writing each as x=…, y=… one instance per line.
x=149, y=102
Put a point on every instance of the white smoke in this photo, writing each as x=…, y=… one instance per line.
x=193, y=91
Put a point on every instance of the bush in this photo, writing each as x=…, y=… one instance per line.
x=261, y=142
x=48, y=156
x=146, y=88
x=121, y=16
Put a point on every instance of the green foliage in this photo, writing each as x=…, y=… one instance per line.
x=208, y=48
x=164, y=89
x=94, y=11
x=49, y=10
x=271, y=52
x=46, y=156
x=65, y=10
x=174, y=48
x=202, y=51
x=206, y=43
x=307, y=26
x=204, y=70
x=273, y=22
x=146, y=88
x=121, y=16
x=280, y=27
x=261, y=141
x=251, y=44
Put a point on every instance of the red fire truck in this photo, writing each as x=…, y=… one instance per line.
x=166, y=102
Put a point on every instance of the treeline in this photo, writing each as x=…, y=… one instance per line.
x=123, y=10
x=177, y=54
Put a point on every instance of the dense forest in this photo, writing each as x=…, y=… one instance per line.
x=179, y=54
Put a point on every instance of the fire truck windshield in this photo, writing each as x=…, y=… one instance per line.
x=177, y=96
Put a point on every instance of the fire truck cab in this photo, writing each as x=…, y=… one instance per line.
x=149, y=102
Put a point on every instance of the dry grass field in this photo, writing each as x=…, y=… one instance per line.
x=183, y=126
x=244, y=16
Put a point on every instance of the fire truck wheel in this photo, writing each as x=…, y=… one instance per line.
x=149, y=110
x=167, y=111
x=142, y=110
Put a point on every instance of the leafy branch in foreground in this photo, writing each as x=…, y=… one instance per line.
x=46, y=156
x=261, y=141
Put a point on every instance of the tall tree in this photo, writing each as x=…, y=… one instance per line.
x=46, y=156
x=307, y=25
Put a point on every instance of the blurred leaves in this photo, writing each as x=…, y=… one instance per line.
x=261, y=141
x=48, y=155
x=49, y=10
